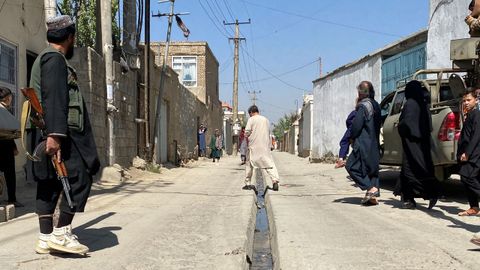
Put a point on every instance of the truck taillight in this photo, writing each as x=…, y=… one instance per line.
x=450, y=129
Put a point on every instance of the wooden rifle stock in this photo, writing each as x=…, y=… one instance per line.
x=31, y=96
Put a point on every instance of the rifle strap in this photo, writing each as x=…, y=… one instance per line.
x=26, y=109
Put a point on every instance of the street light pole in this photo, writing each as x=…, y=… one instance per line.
x=156, y=138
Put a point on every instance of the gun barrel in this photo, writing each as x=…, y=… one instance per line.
x=63, y=177
x=66, y=190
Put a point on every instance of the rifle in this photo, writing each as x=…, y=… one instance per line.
x=38, y=121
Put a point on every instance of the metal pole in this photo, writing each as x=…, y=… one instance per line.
x=107, y=46
x=146, y=94
x=157, y=134
x=235, y=74
x=254, y=96
x=236, y=41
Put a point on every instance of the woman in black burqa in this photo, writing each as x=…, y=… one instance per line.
x=415, y=126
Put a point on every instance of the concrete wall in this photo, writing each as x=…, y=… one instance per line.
x=293, y=137
x=446, y=23
x=306, y=129
x=91, y=78
x=185, y=111
x=125, y=126
x=339, y=89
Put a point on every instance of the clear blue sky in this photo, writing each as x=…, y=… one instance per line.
x=285, y=35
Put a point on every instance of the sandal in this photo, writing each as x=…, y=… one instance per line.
x=469, y=212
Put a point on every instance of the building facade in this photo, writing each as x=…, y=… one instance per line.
x=196, y=66
x=22, y=38
x=386, y=69
x=190, y=98
x=306, y=127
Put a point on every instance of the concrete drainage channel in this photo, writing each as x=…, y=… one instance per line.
x=262, y=251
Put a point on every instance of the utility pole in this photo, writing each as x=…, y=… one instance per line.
x=146, y=95
x=254, y=96
x=156, y=138
x=237, y=39
x=320, y=65
x=129, y=27
x=107, y=50
x=50, y=9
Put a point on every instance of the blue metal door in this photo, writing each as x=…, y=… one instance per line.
x=401, y=67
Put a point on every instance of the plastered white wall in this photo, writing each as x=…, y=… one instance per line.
x=334, y=99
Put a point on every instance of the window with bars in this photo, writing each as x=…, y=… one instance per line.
x=186, y=67
x=8, y=70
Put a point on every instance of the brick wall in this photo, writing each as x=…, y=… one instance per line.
x=91, y=78
x=185, y=111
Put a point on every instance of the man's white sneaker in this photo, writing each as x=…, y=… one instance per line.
x=42, y=246
x=62, y=239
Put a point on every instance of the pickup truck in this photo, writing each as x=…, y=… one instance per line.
x=445, y=108
x=446, y=90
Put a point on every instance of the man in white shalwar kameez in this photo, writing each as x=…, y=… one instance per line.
x=260, y=143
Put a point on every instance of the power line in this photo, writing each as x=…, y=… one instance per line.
x=284, y=73
x=220, y=10
x=212, y=20
x=228, y=9
x=290, y=25
x=273, y=105
x=248, y=70
x=323, y=21
x=275, y=76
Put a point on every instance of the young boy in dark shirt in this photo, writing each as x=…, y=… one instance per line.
x=468, y=153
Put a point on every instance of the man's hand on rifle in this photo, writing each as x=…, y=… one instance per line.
x=53, y=147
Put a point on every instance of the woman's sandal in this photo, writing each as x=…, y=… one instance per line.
x=469, y=212
x=371, y=198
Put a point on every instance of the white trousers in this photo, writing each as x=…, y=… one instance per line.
x=271, y=172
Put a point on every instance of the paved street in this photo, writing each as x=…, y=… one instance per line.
x=320, y=224
x=199, y=218
x=187, y=218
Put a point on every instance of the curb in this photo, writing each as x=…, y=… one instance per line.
x=250, y=234
x=273, y=233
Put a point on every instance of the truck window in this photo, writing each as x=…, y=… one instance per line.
x=398, y=103
x=445, y=93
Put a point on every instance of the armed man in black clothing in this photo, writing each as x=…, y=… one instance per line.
x=68, y=135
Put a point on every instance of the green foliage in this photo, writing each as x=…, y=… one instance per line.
x=84, y=14
x=284, y=124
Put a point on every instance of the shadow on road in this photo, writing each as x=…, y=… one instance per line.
x=98, y=238
x=349, y=200
x=95, y=238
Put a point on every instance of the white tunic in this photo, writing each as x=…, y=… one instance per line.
x=259, y=142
